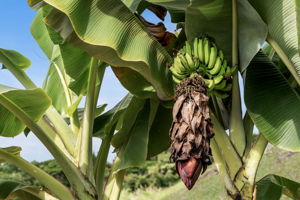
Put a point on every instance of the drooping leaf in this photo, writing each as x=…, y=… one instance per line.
x=132, y=4
x=99, y=110
x=13, y=150
x=72, y=63
x=14, y=58
x=128, y=120
x=159, y=140
x=273, y=104
x=107, y=120
x=282, y=18
x=171, y=4
x=120, y=40
x=134, y=152
x=271, y=187
x=134, y=82
x=252, y=33
x=33, y=103
x=12, y=189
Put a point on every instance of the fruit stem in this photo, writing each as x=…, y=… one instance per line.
x=245, y=179
x=223, y=169
x=237, y=133
x=227, y=149
x=84, y=142
x=248, y=125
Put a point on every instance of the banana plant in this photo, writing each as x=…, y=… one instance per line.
x=183, y=89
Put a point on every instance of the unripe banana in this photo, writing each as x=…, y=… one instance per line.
x=221, y=54
x=195, y=47
x=196, y=62
x=212, y=56
x=223, y=68
x=228, y=71
x=218, y=79
x=217, y=67
x=190, y=62
x=176, y=80
x=210, y=84
x=177, y=74
x=201, y=50
x=206, y=51
x=188, y=48
x=184, y=63
x=178, y=66
x=221, y=85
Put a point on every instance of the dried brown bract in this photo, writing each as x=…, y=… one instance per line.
x=191, y=129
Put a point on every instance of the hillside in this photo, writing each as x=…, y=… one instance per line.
x=209, y=186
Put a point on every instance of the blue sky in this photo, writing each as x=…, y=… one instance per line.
x=16, y=17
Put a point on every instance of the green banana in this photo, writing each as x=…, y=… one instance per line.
x=212, y=56
x=221, y=54
x=223, y=69
x=217, y=67
x=221, y=85
x=195, y=49
x=184, y=63
x=218, y=79
x=196, y=62
x=178, y=65
x=210, y=84
x=188, y=48
x=190, y=62
x=228, y=71
x=177, y=74
x=176, y=80
x=201, y=50
x=206, y=51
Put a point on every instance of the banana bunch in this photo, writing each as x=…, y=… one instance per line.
x=205, y=59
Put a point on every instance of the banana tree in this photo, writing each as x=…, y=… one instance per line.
x=187, y=82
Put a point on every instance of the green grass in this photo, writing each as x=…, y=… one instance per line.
x=210, y=187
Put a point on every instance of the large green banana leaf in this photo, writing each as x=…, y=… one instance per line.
x=159, y=140
x=127, y=121
x=14, y=58
x=106, y=121
x=109, y=31
x=29, y=103
x=69, y=65
x=282, y=18
x=134, y=151
x=273, y=104
x=12, y=189
x=272, y=187
x=134, y=82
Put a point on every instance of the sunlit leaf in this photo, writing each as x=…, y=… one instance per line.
x=282, y=18
x=33, y=103
x=134, y=82
x=13, y=150
x=120, y=40
x=271, y=187
x=273, y=104
x=14, y=58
